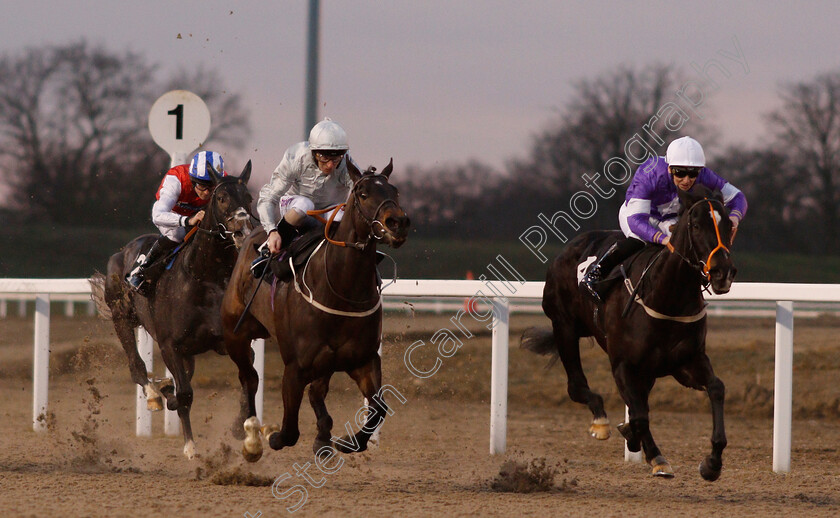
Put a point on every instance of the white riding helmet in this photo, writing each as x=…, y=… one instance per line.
x=328, y=136
x=685, y=152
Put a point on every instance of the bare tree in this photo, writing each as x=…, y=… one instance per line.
x=603, y=115
x=231, y=126
x=807, y=127
x=74, y=143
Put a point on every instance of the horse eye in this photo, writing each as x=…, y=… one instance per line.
x=363, y=195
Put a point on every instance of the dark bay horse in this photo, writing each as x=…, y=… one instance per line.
x=182, y=313
x=327, y=319
x=659, y=332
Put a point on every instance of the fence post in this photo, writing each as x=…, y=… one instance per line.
x=143, y=426
x=171, y=422
x=499, y=376
x=630, y=456
x=783, y=396
x=3, y=308
x=258, y=346
x=41, y=362
x=68, y=308
x=22, y=308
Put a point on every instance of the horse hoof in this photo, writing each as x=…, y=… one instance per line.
x=661, y=467
x=600, y=429
x=189, y=450
x=340, y=446
x=275, y=441
x=268, y=429
x=155, y=404
x=172, y=403
x=710, y=470
x=251, y=456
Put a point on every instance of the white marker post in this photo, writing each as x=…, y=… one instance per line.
x=179, y=122
x=41, y=362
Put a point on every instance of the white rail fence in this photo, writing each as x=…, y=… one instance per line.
x=783, y=295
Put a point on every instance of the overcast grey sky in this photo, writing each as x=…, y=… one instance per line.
x=436, y=81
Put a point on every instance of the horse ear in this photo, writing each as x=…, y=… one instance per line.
x=213, y=173
x=355, y=174
x=388, y=168
x=246, y=174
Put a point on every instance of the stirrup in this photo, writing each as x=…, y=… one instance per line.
x=259, y=264
x=588, y=283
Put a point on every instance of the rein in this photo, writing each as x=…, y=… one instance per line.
x=310, y=298
x=702, y=266
x=371, y=221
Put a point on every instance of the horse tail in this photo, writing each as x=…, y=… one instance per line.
x=540, y=340
x=97, y=294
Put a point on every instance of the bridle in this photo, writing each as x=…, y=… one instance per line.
x=220, y=230
x=372, y=222
x=698, y=264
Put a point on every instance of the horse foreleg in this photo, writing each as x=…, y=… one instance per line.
x=242, y=355
x=369, y=380
x=183, y=394
x=700, y=375
x=136, y=365
x=568, y=346
x=317, y=396
x=635, y=390
x=292, y=395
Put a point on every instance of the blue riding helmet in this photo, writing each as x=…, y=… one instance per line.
x=198, y=166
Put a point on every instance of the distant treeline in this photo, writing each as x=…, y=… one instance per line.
x=46, y=251
x=75, y=153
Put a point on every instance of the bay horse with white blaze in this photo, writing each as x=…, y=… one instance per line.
x=655, y=327
x=182, y=313
x=327, y=319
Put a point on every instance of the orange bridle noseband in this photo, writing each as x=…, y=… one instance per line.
x=707, y=265
x=719, y=246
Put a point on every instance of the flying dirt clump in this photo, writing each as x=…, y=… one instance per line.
x=215, y=468
x=517, y=476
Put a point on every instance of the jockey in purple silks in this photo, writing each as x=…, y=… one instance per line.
x=651, y=204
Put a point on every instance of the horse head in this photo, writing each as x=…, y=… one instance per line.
x=377, y=211
x=703, y=235
x=229, y=210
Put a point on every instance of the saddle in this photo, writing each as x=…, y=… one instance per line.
x=593, y=254
x=278, y=267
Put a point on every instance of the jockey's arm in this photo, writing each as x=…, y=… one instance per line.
x=638, y=219
x=736, y=202
x=270, y=194
x=162, y=215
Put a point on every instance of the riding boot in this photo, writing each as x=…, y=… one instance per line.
x=288, y=233
x=138, y=278
x=617, y=253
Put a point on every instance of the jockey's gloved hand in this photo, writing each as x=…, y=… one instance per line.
x=259, y=264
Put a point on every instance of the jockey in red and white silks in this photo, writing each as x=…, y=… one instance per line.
x=178, y=197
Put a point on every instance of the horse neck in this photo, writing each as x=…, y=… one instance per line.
x=675, y=283
x=350, y=270
x=206, y=257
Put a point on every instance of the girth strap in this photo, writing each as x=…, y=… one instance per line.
x=309, y=298
x=661, y=316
